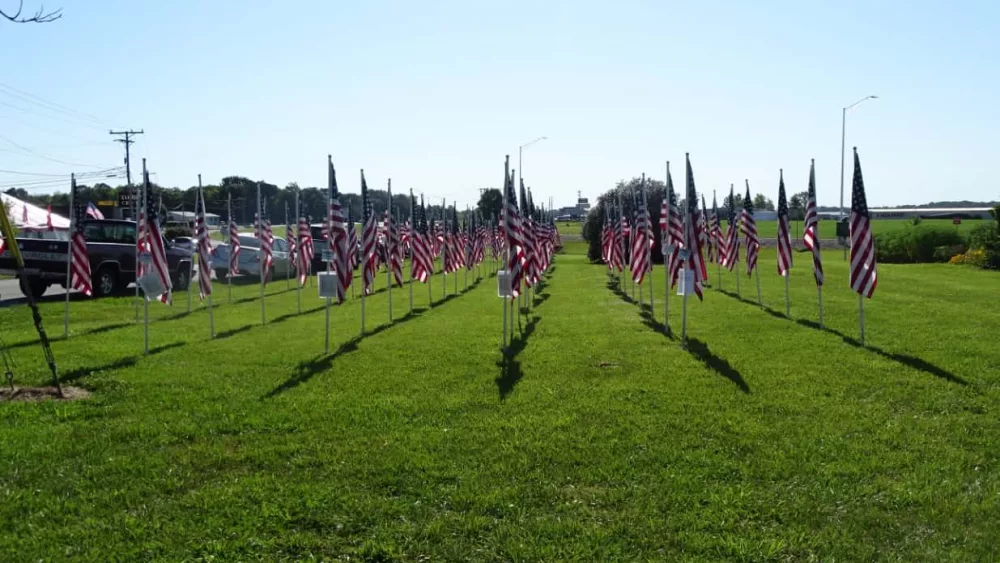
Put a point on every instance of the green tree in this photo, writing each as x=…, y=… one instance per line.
x=490, y=203
x=762, y=203
x=797, y=205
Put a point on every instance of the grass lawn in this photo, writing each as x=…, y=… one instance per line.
x=599, y=438
x=828, y=229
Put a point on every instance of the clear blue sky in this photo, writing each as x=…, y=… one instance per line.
x=434, y=94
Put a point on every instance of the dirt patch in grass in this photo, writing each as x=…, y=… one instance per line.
x=35, y=394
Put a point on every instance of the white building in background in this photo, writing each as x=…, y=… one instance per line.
x=188, y=217
x=578, y=211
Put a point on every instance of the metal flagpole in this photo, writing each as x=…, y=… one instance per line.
x=145, y=229
x=260, y=252
x=364, y=257
x=665, y=244
x=756, y=272
x=190, y=262
x=444, y=250
x=621, y=243
x=718, y=243
x=430, y=252
x=649, y=252
x=69, y=251
x=412, y=231
x=788, y=304
x=135, y=217
x=504, y=211
x=819, y=295
x=204, y=212
x=230, y=276
x=861, y=316
x=288, y=268
x=298, y=248
x=631, y=242
x=388, y=249
x=684, y=272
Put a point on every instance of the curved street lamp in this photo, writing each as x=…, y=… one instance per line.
x=843, y=137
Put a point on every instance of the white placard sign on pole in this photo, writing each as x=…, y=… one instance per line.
x=685, y=285
x=503, y=283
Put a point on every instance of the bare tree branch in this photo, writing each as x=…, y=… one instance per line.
x=41, y=16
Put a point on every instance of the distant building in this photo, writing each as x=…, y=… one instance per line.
x=188, y=217
x=921, y=212
x=577, y=211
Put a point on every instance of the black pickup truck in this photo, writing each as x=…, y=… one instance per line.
x=111, y=249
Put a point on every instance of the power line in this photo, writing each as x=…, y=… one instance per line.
x=46, y=157
x=127, y=141
x=52, y=106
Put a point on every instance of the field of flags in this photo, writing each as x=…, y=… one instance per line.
x=521, y=243
x=692, y=238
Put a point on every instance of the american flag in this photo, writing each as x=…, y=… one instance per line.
x=640, y=242
x=234, y=242
x=470, y=241
x=784, y=229
x=93, y=211
x=368, y=236
x=617, y=239
x=494, y=239
x=394, y=248
x=204, y=249
x=422, y=263
x=707, y=240
x=481, y=236
x=290, y=237
x=863, y=275
x=527, y=240
x=675, y=233
x=732, y=245
x=692, y=236
x=152, y=241
x=337, y=239
x=624, y=235
x=266, y=241
x=352, y=248
x=715, y=234
x=303, y=258
x=48, y=219
x=515, y=245
x=606, y=235
x=810, y=233
x=458, y=238
x=439, y=232
x=748, y=226
x=79, y=260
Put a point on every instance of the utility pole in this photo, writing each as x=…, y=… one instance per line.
x=127, y=141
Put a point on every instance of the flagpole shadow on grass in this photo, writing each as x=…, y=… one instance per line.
x=306, y=370
x=757, y=305
x=914, y=362
x=510, y=368
x=120, y=363
x=700, y=351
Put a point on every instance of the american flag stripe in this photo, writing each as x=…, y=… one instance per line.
x=79, y=260
x=675, y=233
x=748, y=226
x=394, y=248
x=810, y=232
x=368, y=236
x=204, y=250
x=692, y=236
x=784, y=230
x=422, y=266
x=337, y=239
x=515, y=244
x=640, y=244
x=234, y=243
x=864, y=277
x=153, y=242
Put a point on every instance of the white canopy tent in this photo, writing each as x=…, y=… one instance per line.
x=31, y=218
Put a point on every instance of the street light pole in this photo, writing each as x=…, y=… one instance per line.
x=843, y=140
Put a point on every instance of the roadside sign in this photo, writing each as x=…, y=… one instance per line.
x=126, y=198
x=686, y=285
x=106, y=203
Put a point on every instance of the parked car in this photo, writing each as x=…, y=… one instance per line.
x=250, y=256
x=112, y=252
x=185, y=243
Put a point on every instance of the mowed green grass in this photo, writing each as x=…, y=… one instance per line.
x=599, y=438
x=828, y=229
